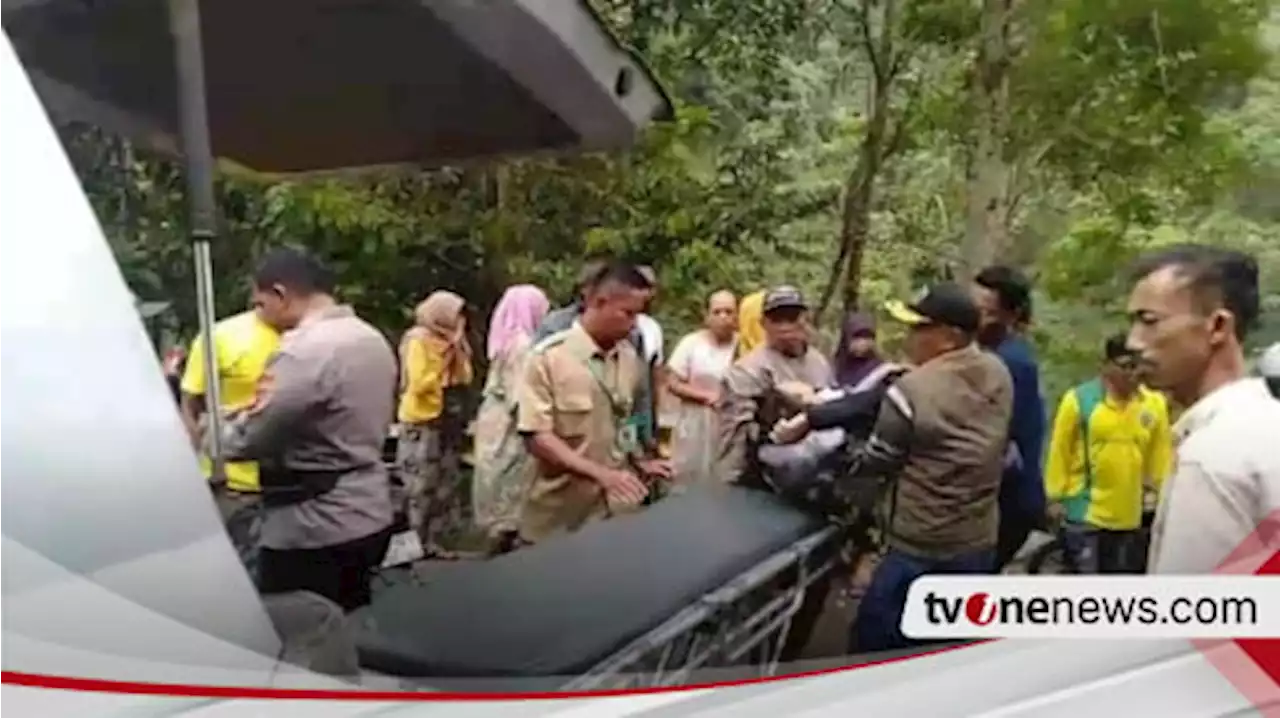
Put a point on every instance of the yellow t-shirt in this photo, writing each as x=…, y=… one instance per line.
x=426, y=378
x=244, y=346
x=1129, y=443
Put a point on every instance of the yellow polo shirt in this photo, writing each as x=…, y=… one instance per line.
x=244, y=345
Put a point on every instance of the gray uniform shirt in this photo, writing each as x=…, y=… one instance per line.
x=748, y=385
x=326, y=402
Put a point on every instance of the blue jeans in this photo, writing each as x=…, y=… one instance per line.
x=878, y=625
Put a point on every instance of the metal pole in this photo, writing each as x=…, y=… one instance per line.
x=184, y=24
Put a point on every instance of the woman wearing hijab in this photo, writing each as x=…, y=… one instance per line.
x=750, y=323
x=695, y=374
x=499, y=480
x=435, y=361
x=856, y=356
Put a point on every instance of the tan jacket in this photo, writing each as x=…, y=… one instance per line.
x=943, y=430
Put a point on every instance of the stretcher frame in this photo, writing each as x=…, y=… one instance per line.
x=742, y=624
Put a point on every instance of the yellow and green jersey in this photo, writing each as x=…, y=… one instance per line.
x=1102, y=451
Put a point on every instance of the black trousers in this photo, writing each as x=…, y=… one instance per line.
x=342, y=573
x=1092, y=550
x=1014, y=530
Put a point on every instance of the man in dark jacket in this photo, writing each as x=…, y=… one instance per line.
x=942, y=432
x=1003, y=297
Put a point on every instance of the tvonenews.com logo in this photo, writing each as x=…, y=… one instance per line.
x=980, y=608
x=1142, y=607
x=983, y=609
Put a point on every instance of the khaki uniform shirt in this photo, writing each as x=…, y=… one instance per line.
x=585, y=396
x=325, y=403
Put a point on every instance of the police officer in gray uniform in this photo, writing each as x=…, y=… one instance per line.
x=317, y=429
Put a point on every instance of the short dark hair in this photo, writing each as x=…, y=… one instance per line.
x=1117, y=347
x=628, y=275
x=1216, y=277
x=589, y=273
x=294, y=269
x=1011, y=288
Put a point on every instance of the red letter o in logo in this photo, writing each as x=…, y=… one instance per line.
x=980, y=609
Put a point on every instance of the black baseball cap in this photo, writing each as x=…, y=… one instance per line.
x=784, y=297
x=947, y=304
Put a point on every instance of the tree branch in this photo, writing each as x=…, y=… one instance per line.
x=898, y=136
x=863, y=18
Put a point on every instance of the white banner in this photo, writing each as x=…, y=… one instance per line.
x=1146, y=607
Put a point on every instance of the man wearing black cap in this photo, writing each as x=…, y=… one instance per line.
x=771, y=383
x=942, y=431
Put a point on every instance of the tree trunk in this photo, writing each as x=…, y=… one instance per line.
x=856, y=219
x=987, y=225
x=856, y=211
x=877, y=145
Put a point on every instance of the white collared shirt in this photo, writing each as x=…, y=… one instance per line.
x=651, y=330
x=1226, y=481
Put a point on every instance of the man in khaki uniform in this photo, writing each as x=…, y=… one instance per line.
x=317, y=429
x=576, y=410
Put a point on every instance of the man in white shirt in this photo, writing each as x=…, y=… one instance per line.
x=1190, y=310
x=651, y=330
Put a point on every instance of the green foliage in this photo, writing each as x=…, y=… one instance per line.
x=1134, y=122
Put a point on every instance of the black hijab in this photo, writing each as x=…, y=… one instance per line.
x=851, y=369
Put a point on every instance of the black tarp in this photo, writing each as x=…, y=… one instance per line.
x=559, y=608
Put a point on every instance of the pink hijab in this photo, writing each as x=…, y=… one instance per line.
x=518, y=313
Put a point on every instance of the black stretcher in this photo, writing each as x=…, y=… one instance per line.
x=564, y=607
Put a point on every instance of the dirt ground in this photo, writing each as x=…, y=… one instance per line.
x=830, y=637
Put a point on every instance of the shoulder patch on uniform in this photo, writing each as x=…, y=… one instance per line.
x=550, y=341
x=898, y=398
